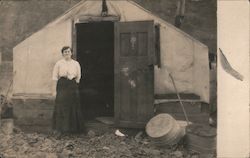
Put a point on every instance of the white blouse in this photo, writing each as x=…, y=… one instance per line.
x=69, y=69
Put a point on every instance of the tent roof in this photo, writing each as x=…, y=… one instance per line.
x=69, y=11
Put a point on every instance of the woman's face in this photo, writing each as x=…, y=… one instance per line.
x=67, y=54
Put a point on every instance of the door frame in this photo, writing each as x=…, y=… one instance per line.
x=114, y=19
x=87, y=19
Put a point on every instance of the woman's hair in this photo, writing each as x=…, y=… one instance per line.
x=65, y=48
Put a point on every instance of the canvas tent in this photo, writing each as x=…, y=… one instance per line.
x=131, y=29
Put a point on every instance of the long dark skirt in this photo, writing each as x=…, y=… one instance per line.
x=67, y=116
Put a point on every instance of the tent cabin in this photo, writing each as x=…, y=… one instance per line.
x=126, y=55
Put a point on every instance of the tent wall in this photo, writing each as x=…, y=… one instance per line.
x=35, y=57
x=183, y=56
x=201, y=75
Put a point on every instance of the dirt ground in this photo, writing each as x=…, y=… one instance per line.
x=93, y=144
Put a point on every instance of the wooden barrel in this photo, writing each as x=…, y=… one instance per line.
x=201, y=138
x=7, y=126
x=164, y=130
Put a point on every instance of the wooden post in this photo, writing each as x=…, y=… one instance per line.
x=180, y=11
x=178, y=5
x=183, y=7
x=0, y=58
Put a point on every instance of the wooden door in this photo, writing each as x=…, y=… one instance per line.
x=134, y=73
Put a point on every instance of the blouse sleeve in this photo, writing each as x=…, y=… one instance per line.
x=55, y=73
x=78, y=76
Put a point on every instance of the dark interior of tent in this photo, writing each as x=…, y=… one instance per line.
x=95, y=53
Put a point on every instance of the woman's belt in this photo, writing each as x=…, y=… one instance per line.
x=63, y=77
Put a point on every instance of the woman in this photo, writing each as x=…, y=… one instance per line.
x=67, y=117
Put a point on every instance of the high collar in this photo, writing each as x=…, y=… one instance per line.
x=69, y=60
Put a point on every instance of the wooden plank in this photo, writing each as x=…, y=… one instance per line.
x=117, y=98
x=73, y=36
x=134, y=85
x=162, y=101
x=32, y=96
x=142, y=91
x=133, y=96
x=174, y=96
x=91, y=18
x=142, y=43
x=157, y=46
x=125, y=100
x=175, y=107
x=151, y=44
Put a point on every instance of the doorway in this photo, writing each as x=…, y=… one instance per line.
x=95, y=53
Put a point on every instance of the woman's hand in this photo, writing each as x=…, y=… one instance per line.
x=53, y=94
x=53, y=89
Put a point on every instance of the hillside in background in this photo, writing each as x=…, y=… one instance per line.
x=200, y=18
x=20, y=18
